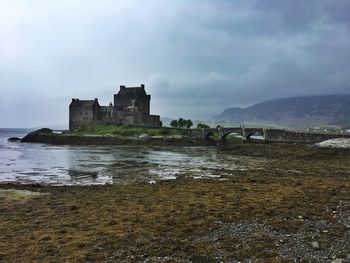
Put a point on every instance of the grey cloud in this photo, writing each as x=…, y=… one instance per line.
x=195, y=57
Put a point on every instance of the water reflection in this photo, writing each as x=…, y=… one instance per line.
x=80, y=165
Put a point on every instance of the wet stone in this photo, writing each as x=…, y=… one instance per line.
x=315, y=245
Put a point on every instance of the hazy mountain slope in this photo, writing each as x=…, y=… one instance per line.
x=294, y=112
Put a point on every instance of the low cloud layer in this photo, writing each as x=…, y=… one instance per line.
x=195, y=57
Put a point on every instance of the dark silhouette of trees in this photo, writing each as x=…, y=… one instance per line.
x=181, y=123
x=174, y=124
x=189, y=124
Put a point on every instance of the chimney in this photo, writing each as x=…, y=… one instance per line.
x=96, y=99
x=143, y=86
x=122, y=87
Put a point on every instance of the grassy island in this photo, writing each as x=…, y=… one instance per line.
x=117, y=135
x=125, y=130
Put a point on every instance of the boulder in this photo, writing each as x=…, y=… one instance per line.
x=13, y=139
x=38, y=135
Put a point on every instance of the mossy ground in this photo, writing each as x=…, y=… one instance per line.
x=171, y=221
x=18, y=195
x=124, y=130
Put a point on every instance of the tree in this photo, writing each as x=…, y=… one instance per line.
x=189, y=123
x=174, y=123
x=202, y=126
x=181, y=122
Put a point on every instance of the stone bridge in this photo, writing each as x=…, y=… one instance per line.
x=269, y=135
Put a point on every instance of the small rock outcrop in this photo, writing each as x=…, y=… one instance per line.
x=14, y=139
x=38, y=135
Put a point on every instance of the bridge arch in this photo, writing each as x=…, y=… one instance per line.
x=235, y=133
x=258, y=134
x=208, y=135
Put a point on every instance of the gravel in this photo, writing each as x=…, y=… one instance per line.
x=294, y=247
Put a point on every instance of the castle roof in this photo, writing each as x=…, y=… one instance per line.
x=84, y=103
x=132, y=91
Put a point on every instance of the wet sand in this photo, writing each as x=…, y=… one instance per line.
x=296, y=206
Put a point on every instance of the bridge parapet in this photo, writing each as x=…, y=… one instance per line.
x=195, y=133
x=271, y=135
x=222, y=132
x=279, y=135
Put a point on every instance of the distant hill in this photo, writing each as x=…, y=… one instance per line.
x=298, y=112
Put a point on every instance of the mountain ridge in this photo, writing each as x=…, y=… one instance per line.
x=297, y=112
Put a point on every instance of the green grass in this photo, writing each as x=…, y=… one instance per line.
x=124, y=130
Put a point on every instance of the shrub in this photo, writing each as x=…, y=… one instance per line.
x=164, y=131
x=202, y=126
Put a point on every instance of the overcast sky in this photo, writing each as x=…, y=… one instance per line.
x=196, y=58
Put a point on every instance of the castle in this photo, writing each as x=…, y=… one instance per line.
x=131, y=107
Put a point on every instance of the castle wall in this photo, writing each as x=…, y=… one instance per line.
x=127, y=96
x=138, y=119
x=106, y=114
x=144, y=104
x=123, y=101
x=82, y=115
x=146, y=120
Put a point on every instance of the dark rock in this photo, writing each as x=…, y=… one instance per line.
x=13, y=139
x=38, y=135
x=44, y=130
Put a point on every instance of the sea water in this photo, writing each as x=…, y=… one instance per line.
x=31, y=163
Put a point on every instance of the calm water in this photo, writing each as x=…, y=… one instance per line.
x=71, y=165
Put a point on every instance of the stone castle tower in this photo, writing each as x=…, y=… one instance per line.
x=131, y=107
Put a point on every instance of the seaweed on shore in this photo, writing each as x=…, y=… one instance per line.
x=295, y=209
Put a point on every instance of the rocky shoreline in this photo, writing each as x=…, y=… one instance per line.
x=49, y=137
